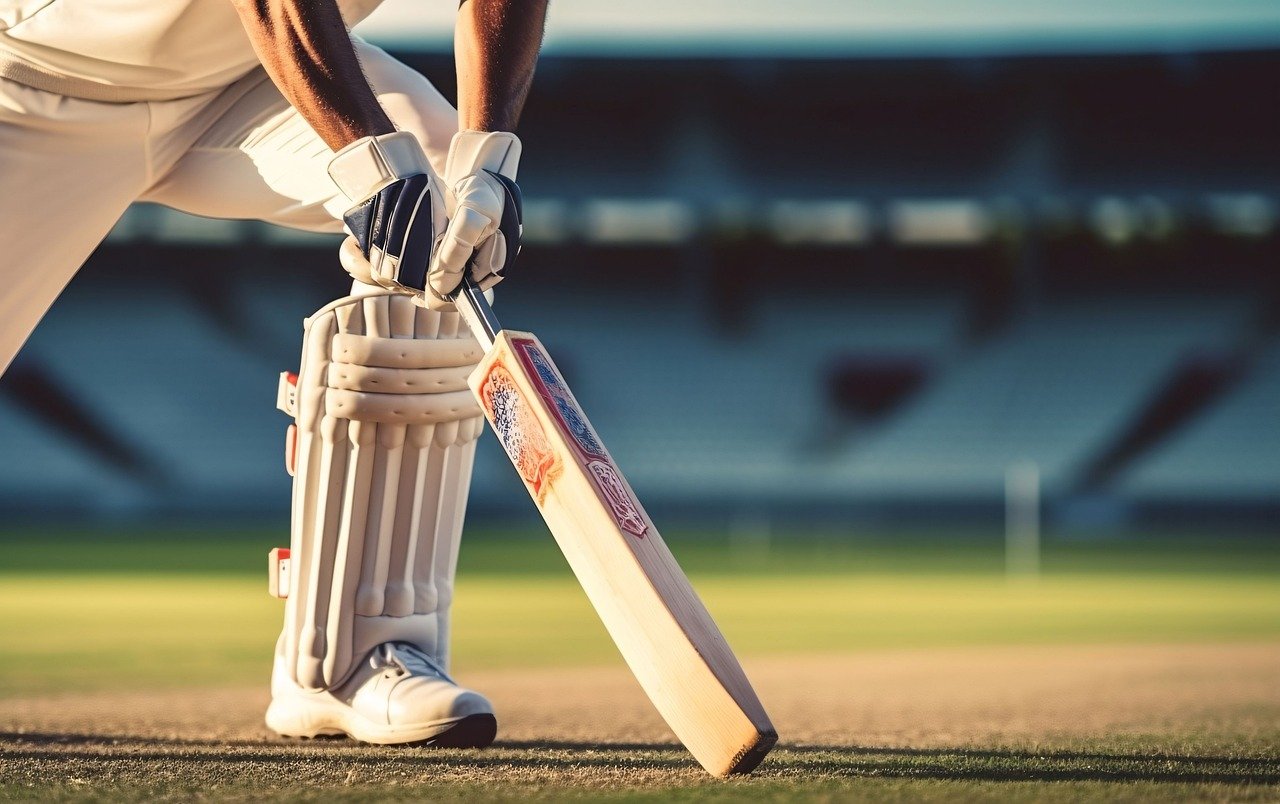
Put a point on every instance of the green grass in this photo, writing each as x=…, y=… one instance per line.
x=77, y=611
x=110, y=611
x=525, y=551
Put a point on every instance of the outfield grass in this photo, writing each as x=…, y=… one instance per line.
x=79, y=611
x=531, y=551
x=125, y=619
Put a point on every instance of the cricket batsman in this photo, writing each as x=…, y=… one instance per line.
x=272, y=110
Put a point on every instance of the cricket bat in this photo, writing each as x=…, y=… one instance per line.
x=644, y=599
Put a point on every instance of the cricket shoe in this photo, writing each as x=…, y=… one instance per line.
x=397, y=695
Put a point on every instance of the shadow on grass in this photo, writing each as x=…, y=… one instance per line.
x=982, y=753
x=1011, y=765
x=786, y=762
x=40, y=746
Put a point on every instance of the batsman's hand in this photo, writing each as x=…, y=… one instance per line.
x=485, y=217
x=399, y=213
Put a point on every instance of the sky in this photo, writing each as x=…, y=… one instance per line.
x=862, y=27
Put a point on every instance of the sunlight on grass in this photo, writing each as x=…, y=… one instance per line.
x=131, y=631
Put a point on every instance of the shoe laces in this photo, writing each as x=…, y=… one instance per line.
x=406, y=657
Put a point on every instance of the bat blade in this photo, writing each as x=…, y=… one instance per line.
x=644, y=599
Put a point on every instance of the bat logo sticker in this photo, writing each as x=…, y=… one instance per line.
x=518, y=430
x=625, y=511
x=555, y=392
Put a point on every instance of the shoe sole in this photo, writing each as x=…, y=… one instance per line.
x=471, y=731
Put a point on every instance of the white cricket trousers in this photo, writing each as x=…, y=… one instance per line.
x=69, y=168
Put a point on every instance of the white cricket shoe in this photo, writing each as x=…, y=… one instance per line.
x=397, y=695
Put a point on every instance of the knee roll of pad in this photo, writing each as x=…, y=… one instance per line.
x=381, y=452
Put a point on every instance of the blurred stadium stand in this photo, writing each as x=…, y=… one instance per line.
x=1055, y=389
x=180, y=394
x=991, y=259
x=1230, y=453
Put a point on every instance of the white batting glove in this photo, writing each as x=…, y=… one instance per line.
x=399, y=212
x=483, y=235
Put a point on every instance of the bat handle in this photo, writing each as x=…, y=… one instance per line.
x=476, y=312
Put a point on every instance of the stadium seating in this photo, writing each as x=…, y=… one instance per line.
x=45, y=471
x=1231, y=453
x=985, y=238
x=1053, y=390
x=158, y=374
x=692, y=414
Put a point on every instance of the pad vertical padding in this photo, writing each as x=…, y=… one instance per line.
x=385, y=443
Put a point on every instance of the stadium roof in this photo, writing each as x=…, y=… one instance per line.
x=852, y=28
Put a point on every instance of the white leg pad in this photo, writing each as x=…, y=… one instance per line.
x=386, y=432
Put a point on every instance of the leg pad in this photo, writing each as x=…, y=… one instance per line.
x=382, y=450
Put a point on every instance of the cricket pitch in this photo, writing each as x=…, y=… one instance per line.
x=1025, y=722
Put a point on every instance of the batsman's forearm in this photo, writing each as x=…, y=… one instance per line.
x=496, y=47
x=306, y=49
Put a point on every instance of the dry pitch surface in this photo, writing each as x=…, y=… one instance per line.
x=1198, y=722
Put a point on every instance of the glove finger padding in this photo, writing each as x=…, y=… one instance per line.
x=354, y=262
x=395, y=232
x=399, y=212
x=483, y=236
x=470, y=226
x=490, y=260
x=506, y=241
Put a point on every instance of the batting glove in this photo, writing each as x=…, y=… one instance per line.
x=483, y=235
x=399, y=213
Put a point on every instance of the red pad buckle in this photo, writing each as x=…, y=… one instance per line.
x=287, y=393
x=278, y=572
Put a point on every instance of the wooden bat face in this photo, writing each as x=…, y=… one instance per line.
x=643, y=598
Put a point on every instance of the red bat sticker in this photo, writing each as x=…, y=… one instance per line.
x=518, y=430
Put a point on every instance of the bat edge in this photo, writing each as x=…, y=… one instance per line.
x=750, y=757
